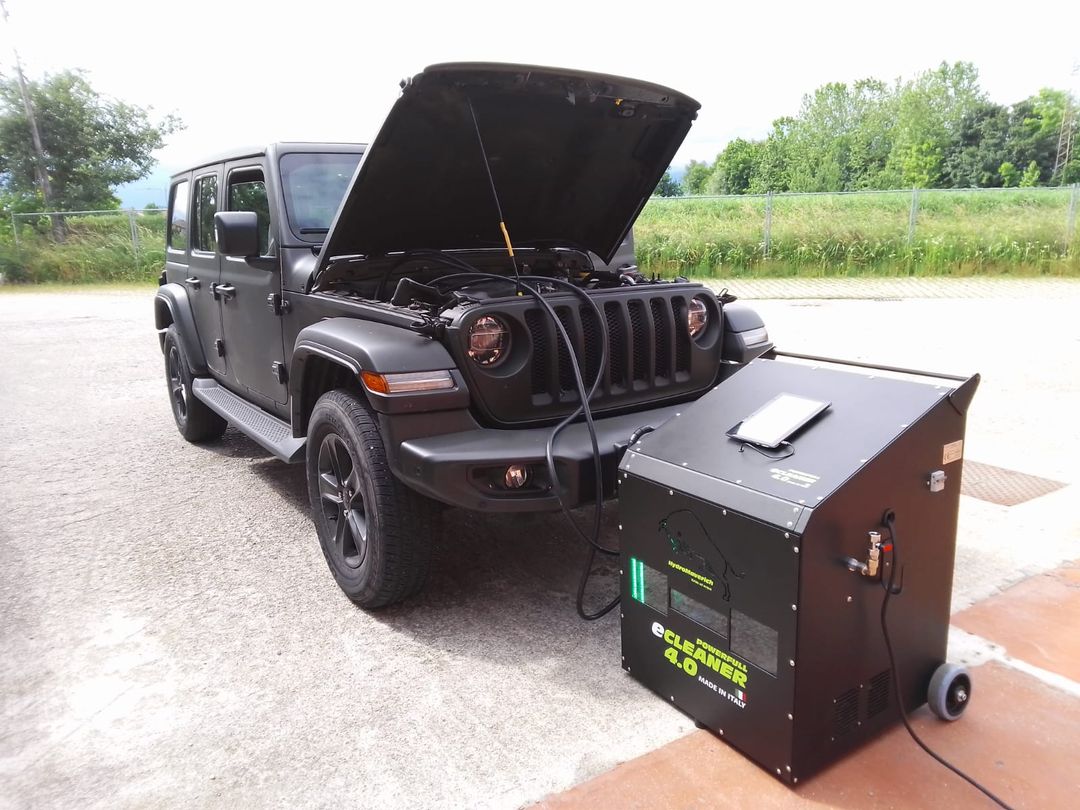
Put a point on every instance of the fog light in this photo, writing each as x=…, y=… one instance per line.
x=517, y=475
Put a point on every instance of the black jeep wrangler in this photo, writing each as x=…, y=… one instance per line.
x=411, y=319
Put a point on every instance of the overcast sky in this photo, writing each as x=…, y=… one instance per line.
x=242, y=73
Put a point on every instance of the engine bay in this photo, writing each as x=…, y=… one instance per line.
x=432, y=282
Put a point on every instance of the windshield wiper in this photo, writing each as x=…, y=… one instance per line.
x=314, y=230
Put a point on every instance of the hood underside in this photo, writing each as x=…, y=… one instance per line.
x=573, y=156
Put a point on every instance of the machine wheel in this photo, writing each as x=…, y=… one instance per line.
x=376, y=534
x=195, y=421
x=949, y=692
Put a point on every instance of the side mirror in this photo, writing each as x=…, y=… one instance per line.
x=237, y=233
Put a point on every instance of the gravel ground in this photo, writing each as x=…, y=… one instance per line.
x=171, y=635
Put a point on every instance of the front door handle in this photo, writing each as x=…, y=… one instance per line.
x=193, y=282
x=225, y=291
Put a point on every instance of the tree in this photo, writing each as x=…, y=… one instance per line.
x=697, y=177
x=981, y=146
x=667, y=187
x=734, y=167
x=1030, y=178
x=930, y=110
x=92, y=143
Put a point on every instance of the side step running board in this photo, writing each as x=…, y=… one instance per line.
x=269, y=431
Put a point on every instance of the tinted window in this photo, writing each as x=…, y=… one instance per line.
x=314, y=185
x=203, y=236
x=247, y=192
x=178, y=217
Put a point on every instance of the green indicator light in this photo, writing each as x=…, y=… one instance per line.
x=633, y=578
x=641, y=581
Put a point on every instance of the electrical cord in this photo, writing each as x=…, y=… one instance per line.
x=790, y=450
x=890, y=591
x=584, y=396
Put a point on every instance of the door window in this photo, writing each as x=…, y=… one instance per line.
x=178, y=217
x=247, y=192
x=203, y=235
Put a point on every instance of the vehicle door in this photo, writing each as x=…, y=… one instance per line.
x=248, y=290
x=191, y=250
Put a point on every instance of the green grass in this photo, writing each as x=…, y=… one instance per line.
x=97, y=249
x=1015, y=232
x=1008, y=233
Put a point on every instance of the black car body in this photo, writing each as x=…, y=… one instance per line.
x=301, y=269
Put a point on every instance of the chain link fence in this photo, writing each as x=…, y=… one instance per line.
x=76, y=246
x=967, y=231
x=916, y=231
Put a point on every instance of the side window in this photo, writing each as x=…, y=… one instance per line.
x=178, y=217
x=203, y=236
x=247, y=192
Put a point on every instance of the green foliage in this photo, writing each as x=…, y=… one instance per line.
x=696, y=177
x=937, y=130
x=92, y=143
x=1010, y=177
x=958, y=234
x=667, y=187
x=734, y=167
x=1030, y=177
x=97, y=248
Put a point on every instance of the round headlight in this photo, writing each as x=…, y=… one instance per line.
x=697, y=317
x=489, y=340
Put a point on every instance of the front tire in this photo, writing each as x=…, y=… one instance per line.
x=377, y=535
x=196, y=422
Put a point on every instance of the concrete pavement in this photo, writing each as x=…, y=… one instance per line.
x=171, y=635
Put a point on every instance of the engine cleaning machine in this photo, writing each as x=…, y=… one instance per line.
x=759, y=528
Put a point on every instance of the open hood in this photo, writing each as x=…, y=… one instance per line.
x=574, y=157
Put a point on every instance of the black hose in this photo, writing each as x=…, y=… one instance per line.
x=890, y=590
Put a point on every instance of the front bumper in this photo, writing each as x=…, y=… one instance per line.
x=464, y=468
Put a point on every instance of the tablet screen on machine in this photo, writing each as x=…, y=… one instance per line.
x=777, y=419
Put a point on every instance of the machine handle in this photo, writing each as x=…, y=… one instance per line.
x=193, y=282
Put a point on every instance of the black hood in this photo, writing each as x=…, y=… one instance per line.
x=574, y=157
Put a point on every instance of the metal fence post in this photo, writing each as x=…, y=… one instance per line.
x=768, y=225
x=913, y=215
x=134, y=238
x=1070, y=224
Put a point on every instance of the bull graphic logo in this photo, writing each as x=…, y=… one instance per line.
x=682, y=525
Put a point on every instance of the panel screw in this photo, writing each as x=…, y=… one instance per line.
x=849, y=599
x=723, y=512
x=793, y=607
x=787, y=535
x=796, y=548
x=791, y=662
x=788, y=768
x=790, y=716
x=721, y=732
x=672, y=698
x=671, y=492
x=620, y=527
x=777, y=771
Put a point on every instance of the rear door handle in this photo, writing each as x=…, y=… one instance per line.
x=193, y=282
x=225, y=291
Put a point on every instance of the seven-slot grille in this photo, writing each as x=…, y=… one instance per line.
x=648, y=346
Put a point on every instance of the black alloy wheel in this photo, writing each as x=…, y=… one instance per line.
x=342, y=500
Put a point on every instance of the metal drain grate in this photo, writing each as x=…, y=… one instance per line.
x=1004, y=487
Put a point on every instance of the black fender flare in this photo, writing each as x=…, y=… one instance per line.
x=171, y=306
x=358, y=345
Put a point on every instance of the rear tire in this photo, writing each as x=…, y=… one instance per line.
x=376, y=534
x=196, y=422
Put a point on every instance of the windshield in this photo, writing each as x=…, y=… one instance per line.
x=314, y=184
